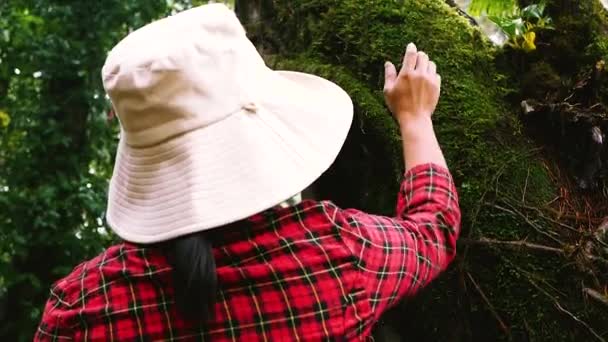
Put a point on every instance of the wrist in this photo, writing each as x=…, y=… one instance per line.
x=422, y=125
x=420, y=145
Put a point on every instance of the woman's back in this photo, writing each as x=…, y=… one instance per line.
x=309, y=272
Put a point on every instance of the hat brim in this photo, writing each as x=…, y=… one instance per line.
x=250, y=161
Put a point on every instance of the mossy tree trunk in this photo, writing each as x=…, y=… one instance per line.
x=508, y=192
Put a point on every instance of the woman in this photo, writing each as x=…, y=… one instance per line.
x=214, y=150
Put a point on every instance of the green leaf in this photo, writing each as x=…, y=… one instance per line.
x=5, y=119
x=511, y=27
x=491, y=7
x=535, y=11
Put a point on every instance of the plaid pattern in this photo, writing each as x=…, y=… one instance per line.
x=309, y=272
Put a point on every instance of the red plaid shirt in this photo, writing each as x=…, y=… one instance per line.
x=309, y=272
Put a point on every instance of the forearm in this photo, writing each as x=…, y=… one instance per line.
x=420, y=145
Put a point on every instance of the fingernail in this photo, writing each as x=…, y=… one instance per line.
x=386, y=64
x=411, y=47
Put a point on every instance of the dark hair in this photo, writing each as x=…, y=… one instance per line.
x=194, y=274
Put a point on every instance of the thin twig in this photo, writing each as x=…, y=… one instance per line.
x=561, y=308
x=465, y=304
x=554, y=299
x=534, y=225
x=576, y=217
x=532, y=276
x=528, y=329
x=513, y=244
x=596, y=295
x=480, y=204
x=541, y=214
x=503, y=326
x=528, y=154
x=599, y=338
x=595, y=105
x=552, y=201
x=523, y=196
x=569, y=97
x=515, y=212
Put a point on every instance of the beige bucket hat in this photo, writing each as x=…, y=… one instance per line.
x=209, y=134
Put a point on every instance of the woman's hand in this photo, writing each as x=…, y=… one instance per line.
x=413, y=93
x=412, y=96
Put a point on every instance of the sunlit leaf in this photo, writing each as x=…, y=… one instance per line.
x=5, y=119
x=512, y=27
x=534, y=11
x=492, y=7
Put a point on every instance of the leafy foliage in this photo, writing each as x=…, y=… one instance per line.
x=56, y=145
x=521, y=25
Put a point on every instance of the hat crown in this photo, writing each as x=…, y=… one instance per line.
x=181, y=73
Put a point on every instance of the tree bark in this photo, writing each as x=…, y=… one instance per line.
x=248, y=11
x=253, y=14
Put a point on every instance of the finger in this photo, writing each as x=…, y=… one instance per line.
x=409, y=60
x=423, y=62
x=390, y=74
x=432, y=68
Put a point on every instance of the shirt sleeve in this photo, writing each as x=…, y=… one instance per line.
x=397, y=256
x=52, y=326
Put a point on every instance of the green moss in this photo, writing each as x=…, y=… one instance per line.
x=371, y=156
x=347, y=41
x=540, y=80
x=359, y=36
x=599, y=49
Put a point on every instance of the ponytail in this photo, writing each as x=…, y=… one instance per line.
x=194, y=274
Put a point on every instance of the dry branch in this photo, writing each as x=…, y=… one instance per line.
x=512, y=244
x=542, y=215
